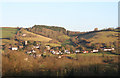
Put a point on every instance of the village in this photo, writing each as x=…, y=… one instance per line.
x=51, y=50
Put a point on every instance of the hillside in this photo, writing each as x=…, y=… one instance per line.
x=101, y=37
x=57, y=36
x=8, y=32
x=32, y=36
x=57, y=33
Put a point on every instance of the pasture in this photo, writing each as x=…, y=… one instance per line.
x=8, y=32
x=33, y=37
x=104, y=37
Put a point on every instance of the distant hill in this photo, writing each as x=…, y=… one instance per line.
x=55, y=36
x=100, y=37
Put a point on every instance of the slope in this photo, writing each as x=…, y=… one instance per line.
x=8, y=32
x=101, y=37
x=32, y=36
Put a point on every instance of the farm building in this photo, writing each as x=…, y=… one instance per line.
x=94, y=51
x=23, y=35
x=25, y=42
x=52, y=51
x=77, y=51
x=66, y=51
x=33, y=51
x=108, y=49
x=20, y=46
x=85, y=51
x=48, y=47
x=28, y=52
x=14, y=48
x=36, y=46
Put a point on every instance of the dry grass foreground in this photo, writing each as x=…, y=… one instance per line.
x=14, y=64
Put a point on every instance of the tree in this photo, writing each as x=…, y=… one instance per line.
x=29, y=47
x=110, y=29
x=96, y=29
x=6, y=47
x=34, y=43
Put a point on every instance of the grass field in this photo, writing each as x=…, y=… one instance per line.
x=104, y=37
x=8, y=32
x=64, y=37
x=35, y=37
x=53, y=44
x=92, y=54
x=8, y=41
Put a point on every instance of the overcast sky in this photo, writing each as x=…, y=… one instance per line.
x=75, y=16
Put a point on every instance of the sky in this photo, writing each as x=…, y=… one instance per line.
x=74, y=16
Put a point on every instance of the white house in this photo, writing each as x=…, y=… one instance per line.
x=14, y=48
x=23, y=35
x=25, y=42
x=26, y=59
x=28, y=52
x=77, y=51
x=36, y=46
x=48, y=47
x=59, y=56
x=33, y=51
x=94, y=51
x=38, y=55
x=53, y=52
x=112, y=48
x=56, y=52
x=108, y=49
x=66, y=51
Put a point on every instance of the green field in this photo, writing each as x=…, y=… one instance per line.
x=8, y=41
x=8, y=32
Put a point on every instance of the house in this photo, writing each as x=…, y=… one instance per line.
x=60, y=52
x=52, y=51
x=108, y=49
x=38, y=55
x=57, y=52
x=94, y=51
x=33, y=51
x=77, y=51
x=23, y=35
x=66, y=51
x=59, y=56
x=20, y=46
x=28, y=52
x=34, y=55
x=14, y=48
x=25, y=42
x=85, y=51
x=26, y=59
x=48, y=47
x=36, y=46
